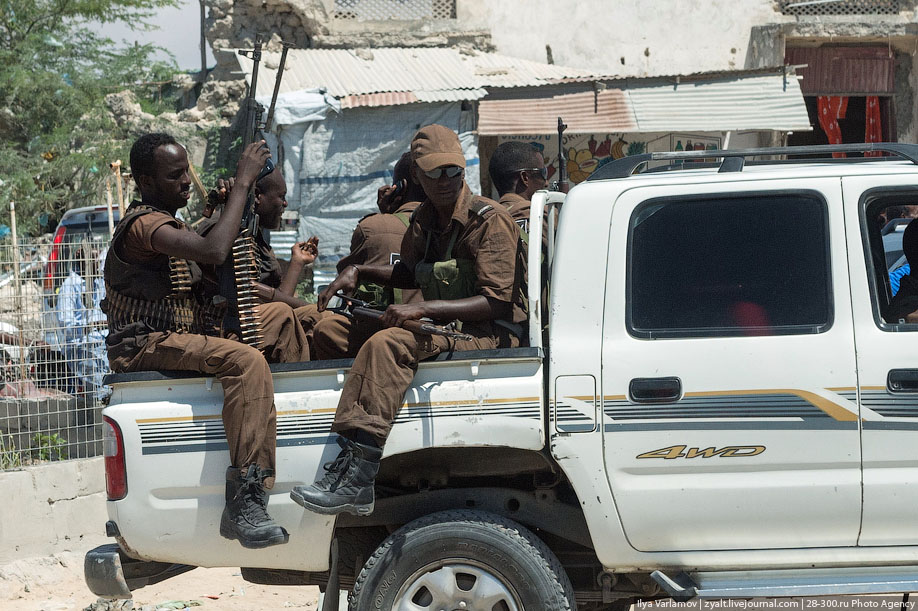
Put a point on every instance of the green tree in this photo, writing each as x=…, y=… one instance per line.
x=56, y=137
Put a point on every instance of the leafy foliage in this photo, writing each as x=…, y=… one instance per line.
x=49, y=447
x=56, y=137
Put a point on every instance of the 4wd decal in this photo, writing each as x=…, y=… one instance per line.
x=685, y=452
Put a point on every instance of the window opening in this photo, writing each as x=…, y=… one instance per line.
x=841, y=7
x=397, y=10
x=886, y=219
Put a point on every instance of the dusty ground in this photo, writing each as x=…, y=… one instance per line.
x=56, y=584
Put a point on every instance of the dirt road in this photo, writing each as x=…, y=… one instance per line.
x=56, y=584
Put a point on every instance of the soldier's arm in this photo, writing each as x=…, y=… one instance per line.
x=474, y=308
x=301, y=255
x=215, y=247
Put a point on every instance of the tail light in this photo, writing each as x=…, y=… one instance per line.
x=51, y=268
x=113, y=450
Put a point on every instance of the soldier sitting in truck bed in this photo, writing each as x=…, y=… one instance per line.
x=377, y=240
x=462, y=251
x=158, y=320
x=284, y=339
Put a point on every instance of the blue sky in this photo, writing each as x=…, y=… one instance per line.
x=178, y=31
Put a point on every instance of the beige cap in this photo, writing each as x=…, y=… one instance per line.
x=435, y=146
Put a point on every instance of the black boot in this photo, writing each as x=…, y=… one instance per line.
x=348, y=482
x=245, y=516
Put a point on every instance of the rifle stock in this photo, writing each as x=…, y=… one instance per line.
x=415, y=326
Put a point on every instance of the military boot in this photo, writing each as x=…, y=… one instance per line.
x=348, y=482
x=245, y=516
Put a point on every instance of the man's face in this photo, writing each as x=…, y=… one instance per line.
x=444, y=189
x=272, y=200
x=532, y=178
x=170, y=185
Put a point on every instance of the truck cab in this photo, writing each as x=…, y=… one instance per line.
x=719, y=408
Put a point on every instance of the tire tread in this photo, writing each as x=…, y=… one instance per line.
x=519, y=534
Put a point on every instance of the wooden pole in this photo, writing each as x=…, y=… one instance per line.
x=18, y=289
x=116, y=167
x=203, y=44
x=108, y=202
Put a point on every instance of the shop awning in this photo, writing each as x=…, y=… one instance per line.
x=757, y=102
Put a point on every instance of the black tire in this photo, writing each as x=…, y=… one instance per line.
x=471, y=550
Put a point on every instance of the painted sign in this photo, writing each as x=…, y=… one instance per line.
x=588, y=152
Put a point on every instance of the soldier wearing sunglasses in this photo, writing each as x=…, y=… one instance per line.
x=463, y=252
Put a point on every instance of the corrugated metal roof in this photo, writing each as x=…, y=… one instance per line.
x=431, y=74
x=752, y=103
x=585, y=113
x=760, y=102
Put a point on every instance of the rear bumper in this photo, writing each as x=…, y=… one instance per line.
x=103, y=572
x=110, y=573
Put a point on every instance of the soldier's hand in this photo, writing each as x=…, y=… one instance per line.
x=396, y=314
x=251, y=163
x=384, y=196
x=346, y=282
x=306, y=252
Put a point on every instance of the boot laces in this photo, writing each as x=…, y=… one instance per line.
x=254, y=501
x=338, y=470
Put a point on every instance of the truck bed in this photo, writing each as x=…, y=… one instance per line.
x=177, y=451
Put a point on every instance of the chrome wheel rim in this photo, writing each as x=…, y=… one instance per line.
x=456, y=585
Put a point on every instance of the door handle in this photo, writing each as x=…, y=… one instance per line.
x=655, y=390
x=902, y=380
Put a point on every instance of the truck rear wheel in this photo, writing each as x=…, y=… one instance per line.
x=461, y=559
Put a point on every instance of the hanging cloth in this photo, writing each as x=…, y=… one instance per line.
x=831, y=109
x=873, y=129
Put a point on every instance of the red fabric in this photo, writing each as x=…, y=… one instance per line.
x=873, y=131
x=831, y=109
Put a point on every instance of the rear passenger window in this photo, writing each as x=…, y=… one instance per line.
x=729, y=266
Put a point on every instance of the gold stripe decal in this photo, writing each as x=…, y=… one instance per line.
x=831, y=408
x=331, y=410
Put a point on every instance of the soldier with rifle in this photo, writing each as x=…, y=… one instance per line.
x=377, y=240
x=462, y=251
x=158, y=319
x=259, y=298
x=282, y=338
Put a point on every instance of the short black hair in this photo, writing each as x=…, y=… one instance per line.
x=910, y=243
x=402, y=169
x=142, y=152
x=507, y=160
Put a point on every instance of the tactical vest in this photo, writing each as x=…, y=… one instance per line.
x=269, y=269
x=377, y=295
x=450, y=278
x=159, y=295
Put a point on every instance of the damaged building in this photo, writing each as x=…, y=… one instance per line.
x=626, y=77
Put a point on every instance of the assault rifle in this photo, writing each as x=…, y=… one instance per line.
x=561, y=183
x=238, y=275
x=355, y=308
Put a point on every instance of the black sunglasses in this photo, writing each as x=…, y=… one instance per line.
x=543, y=171
x=452, y=171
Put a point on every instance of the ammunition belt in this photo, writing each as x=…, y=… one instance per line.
x=245, y=273
x=180, y=311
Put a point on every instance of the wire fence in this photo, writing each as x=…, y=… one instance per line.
x=52, y=338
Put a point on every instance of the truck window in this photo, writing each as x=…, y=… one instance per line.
x=885, y=217
x=744, y=265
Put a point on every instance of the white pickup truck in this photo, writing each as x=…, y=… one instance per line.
x=719, y=410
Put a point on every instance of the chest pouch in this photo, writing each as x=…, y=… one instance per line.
x=448, y=279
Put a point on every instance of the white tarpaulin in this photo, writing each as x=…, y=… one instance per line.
x=301, y=106
x=333, y=167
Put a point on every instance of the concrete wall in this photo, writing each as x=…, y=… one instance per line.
x=628, y=37
x=52, y=508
